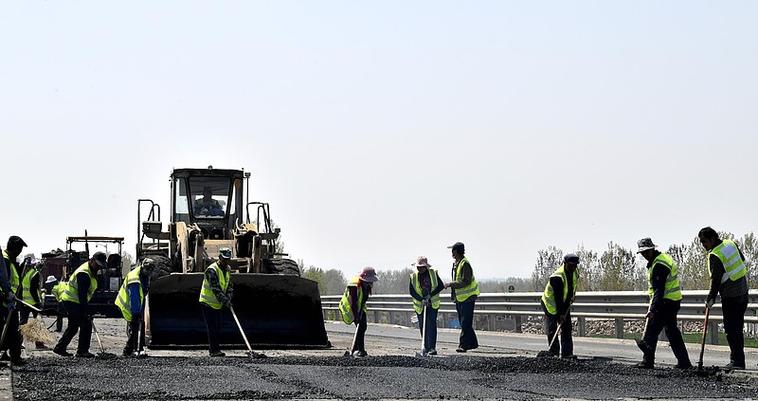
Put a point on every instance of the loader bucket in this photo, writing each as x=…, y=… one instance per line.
x=276, y=311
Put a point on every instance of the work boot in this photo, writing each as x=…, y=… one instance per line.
x=127, y=352
x=432, y=352
x=569, y=356
x=644, y=365
x=360, y=354
x=61, y=352
x=460, y=349
x=216, y=354
x=683, y=366
x=734, y=366
x=18, y=362
x=85, y=355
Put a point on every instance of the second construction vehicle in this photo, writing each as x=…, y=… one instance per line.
x=210, y=210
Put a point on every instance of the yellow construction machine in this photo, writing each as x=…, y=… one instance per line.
x=277, y=307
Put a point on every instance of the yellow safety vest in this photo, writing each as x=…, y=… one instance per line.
x=464, y=293
x=70, y=291
x=124, y=301
x=672, y=290
x=26, y=283
x=207, y=296
x=418, y=306
x=344, y=306
x=13, y=278
x=734, y=267
x=548, y=296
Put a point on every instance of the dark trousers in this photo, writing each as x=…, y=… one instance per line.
x=564, y=345
x=13, y=338
x=360, y=336
x=213, y=319
x=135, y=327
x=430, y=342
x=78, y=321
x=665, y=319
x=734, y=309
x=465, y=310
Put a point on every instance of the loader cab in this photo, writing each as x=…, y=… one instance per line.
x=210, y=198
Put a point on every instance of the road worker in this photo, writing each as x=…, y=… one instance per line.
x=557, y=298
x=728, y=271
x=131, y=302
x=665, y=297
x=75, y=296
x=13, y=340
x=465, y=290
x=425, y=287
x=31, y=293
x=353, y=308
x=215, y=296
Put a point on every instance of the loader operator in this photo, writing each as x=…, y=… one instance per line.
x=728, y=272
x=559, y=294
x=665, y=299
x=9, y=311
x=353, y=308
x=31, y=293
x=207, y=206
x=465, y=290
x=130, y=300
x=425, y=287
x=75, y=296
x=216, y=294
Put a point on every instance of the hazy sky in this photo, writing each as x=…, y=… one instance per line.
x=386, y=130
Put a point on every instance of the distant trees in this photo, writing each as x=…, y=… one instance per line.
x=620, y=269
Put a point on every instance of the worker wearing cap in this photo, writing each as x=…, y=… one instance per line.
x=13, y=340
x=464, y=292
x=75, y=296
x=557, y=298
x=425, y=287
x=131, y=299
x=216, y=294
x=31, y=293
x=728, y=271
x=353, y=308
x=665, y=299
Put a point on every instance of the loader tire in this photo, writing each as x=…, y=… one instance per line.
x=281, y=266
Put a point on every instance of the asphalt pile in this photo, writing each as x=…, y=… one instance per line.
x=463, y=377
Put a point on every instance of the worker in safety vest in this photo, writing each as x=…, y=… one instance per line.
x=425, y=287
x=728, y=272
x=131, y=302
x=665, y=299
x=13, y=340
x=465, y=290
x=31, y=293
x=53, y=287
x=557, y=298
x=353, y=308
x=216, y=294
x=75, y=296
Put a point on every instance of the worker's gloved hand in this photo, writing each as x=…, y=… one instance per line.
x=649, y=314
x=561, y=319
x=710, y=301
x=425, y=302
x=228, y=303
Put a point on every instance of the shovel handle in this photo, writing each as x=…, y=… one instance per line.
x=244, y=337
x=702, y=340
x=32, y=307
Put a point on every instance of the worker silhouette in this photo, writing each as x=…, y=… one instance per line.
x=207, y=206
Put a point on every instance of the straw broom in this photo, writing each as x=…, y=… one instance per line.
x=36, y=331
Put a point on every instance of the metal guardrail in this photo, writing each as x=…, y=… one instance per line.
x=506, y=311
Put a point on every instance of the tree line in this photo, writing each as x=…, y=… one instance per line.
x=614, y=268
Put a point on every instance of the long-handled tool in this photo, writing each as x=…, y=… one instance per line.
x=547, y=353
x=32, y=307
x=97, y=335
x=250, y=351
x=140, y=352
x=352, y=345
x=5, y=328
x=423, y=336
x=702, y=340
x=641, y=342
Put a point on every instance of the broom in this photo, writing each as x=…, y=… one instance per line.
x=36, y=331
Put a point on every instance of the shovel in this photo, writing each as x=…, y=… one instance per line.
x=641, y=343
x=252, y=354
x=140, y=352
x=99, y=342
x=423, y=336
x=544, y=354
x=352, y=345
x=702, y=340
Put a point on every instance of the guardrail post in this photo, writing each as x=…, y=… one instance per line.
x=582, y=326
x=619, y=327
x=713, y=338
x=517, y=321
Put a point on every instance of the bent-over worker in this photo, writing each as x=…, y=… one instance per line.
x=131, y=302
x=559, y=294
x=215, y=295
x=353, y=308
x=425, y=287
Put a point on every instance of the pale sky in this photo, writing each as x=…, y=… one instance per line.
x=386, y=130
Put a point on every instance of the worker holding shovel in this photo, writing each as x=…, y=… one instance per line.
x=131, y=302
x=559, y=294
x=425, y=287
x=216, y=294
x=665, y=299
x=353, y=309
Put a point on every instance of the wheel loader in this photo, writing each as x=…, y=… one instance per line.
x=277, y=307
